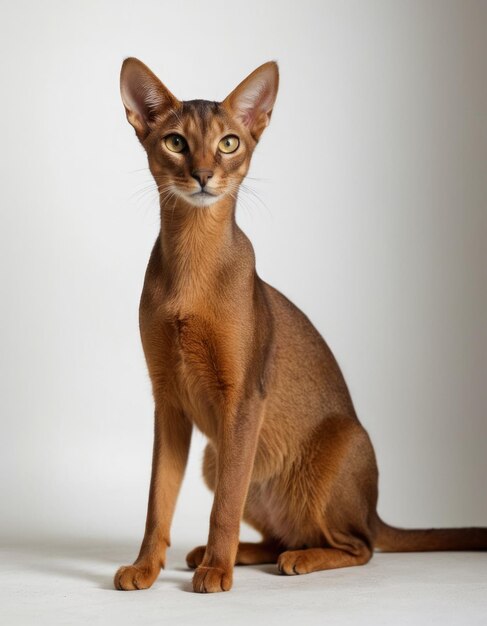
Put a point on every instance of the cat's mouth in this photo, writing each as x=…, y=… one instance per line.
x=203, y=197
x=202, y=194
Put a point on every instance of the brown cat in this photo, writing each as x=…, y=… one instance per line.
x=232, y=356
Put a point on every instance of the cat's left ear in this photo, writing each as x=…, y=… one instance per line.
x=253, y=100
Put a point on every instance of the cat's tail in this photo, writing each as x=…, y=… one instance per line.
x=391, y=539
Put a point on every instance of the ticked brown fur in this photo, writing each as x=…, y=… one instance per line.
x=229, y=354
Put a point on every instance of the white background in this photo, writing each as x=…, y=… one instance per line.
x=372, y=218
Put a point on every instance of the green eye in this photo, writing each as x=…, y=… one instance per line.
x=175, y=143
x=229, y=144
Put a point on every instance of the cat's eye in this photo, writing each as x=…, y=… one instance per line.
x=175, y=143
x=229, y=144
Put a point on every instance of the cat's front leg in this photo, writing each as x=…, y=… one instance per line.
x=172, y=437
x=237, y=443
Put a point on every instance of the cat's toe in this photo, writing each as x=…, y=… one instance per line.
x=195, y=557
x=292, y=563
x=131, y=577
x=211, y=580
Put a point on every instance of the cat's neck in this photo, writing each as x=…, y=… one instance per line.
x=194, y=235
x=197, y=243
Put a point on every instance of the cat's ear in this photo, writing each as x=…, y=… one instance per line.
x=253, y=100
x=143, y=95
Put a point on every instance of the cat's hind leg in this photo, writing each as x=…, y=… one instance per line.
x=247, y=554
x=294, y=562
x=338, y=482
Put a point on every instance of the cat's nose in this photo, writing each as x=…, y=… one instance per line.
x=202, y=176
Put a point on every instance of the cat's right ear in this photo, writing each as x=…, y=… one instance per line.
x=143, y=95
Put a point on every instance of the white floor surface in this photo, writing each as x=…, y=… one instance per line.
x=70, y=583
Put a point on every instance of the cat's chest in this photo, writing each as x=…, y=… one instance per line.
x=198, y=348
x=192, y=359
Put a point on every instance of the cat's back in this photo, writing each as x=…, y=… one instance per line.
x=306, y=374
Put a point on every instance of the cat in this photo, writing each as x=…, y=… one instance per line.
x=230, y=355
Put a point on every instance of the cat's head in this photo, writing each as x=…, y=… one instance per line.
x=198, y=150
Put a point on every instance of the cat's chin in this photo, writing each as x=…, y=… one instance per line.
x=201, y=199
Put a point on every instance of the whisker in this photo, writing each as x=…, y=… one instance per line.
x=253, y=195
x=142, y=169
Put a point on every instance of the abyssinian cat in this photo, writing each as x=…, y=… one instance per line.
x=229, y=354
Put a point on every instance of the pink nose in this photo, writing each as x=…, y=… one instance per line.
x=202, y=176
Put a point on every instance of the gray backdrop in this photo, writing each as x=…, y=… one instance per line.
x=370, y=213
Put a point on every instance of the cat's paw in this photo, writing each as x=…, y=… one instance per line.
x=195, y=557
x=293, y=562
x=132, y=577
x=211, y=579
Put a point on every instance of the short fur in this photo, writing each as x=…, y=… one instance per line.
x=229, y=354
